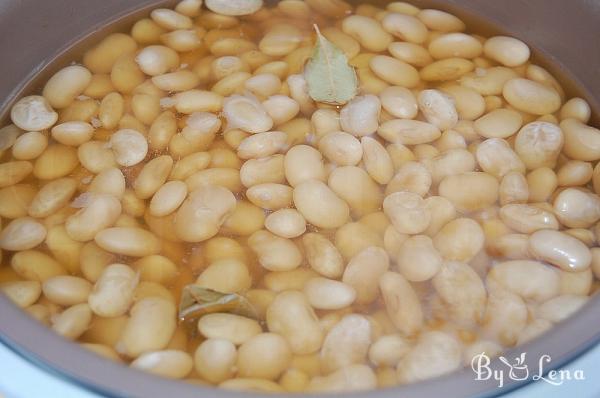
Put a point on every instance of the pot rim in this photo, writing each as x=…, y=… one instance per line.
x=40, y=345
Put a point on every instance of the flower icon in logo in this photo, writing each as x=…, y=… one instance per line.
x=518, y=370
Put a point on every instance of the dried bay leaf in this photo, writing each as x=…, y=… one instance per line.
x=197, y=301
x=329, y=77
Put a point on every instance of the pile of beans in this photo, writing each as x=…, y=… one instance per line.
x=449, y=209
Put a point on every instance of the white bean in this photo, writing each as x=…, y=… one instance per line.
x=33, y=113
x=560, y=249
x=113, y=292
x=173, y=364
x=435, y=354
x=347, y=343
x=329, y=294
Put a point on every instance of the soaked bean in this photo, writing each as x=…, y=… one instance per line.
x=22, y=234
x=560, y=249
x=365, y=195
x=505, y=317
x=407, y=212
x=29, y=146
x=66, y=290
x=281, y=108
x=227, y=275
x=55, y=162
x=446, y=69
x=172, y=364
x=347, y=343
x=455, y=45
x=495, y=157
x=262, y=171
x=203, y=212
x=234, y=328
x=576, y=208
x=470, y=191
x=168, y=198
x=410, y=53
x=411, y=177
x=576, y=108
x=246, y=114
x=360, y=116
x=35, y=265
x=128, y=241
x=541, y=182
x=417, y=259
x=95, y=156
x=264, y=356
x=459, y=240
x=98, y=211
x=73, y=321
x=582, y=142
x=574, y=173
x=438, y=109
x=401, y=302
x=506, y=50
x=436, y=353
x=527, y=218
x=22, y=293
x=499, y=123
x=363, y=272
x=408, y=132
x=15, y=200
x=270, y=196
x=287, y=223
x=399, y=102
x=322, y=255
x=329, y=294
x=513, y=188
x=341, y=148
x=234, y=8
x=280, y=40
x=129, y=147
x=462, y=291
x=275, y=253
x=152, y=176
x=157, y=60
x=367, y=31
x=469, y=104
x=33, y=113
x=262, y=144
x=377, y=161
x=319, y=205
x=113, y=292
x=529, y=279
x=388, y=350
x=405, y=27
x=150, y=326
x=215, y=359
x=291, y=316
x=531, y=97
x=489, y=81
x=394, y=71
x=195, y=100
x=157, y=269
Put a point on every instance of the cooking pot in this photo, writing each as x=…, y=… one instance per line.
x=39, y=37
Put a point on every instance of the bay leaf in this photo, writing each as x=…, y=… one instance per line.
x=197, y=301
x=329, y=77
